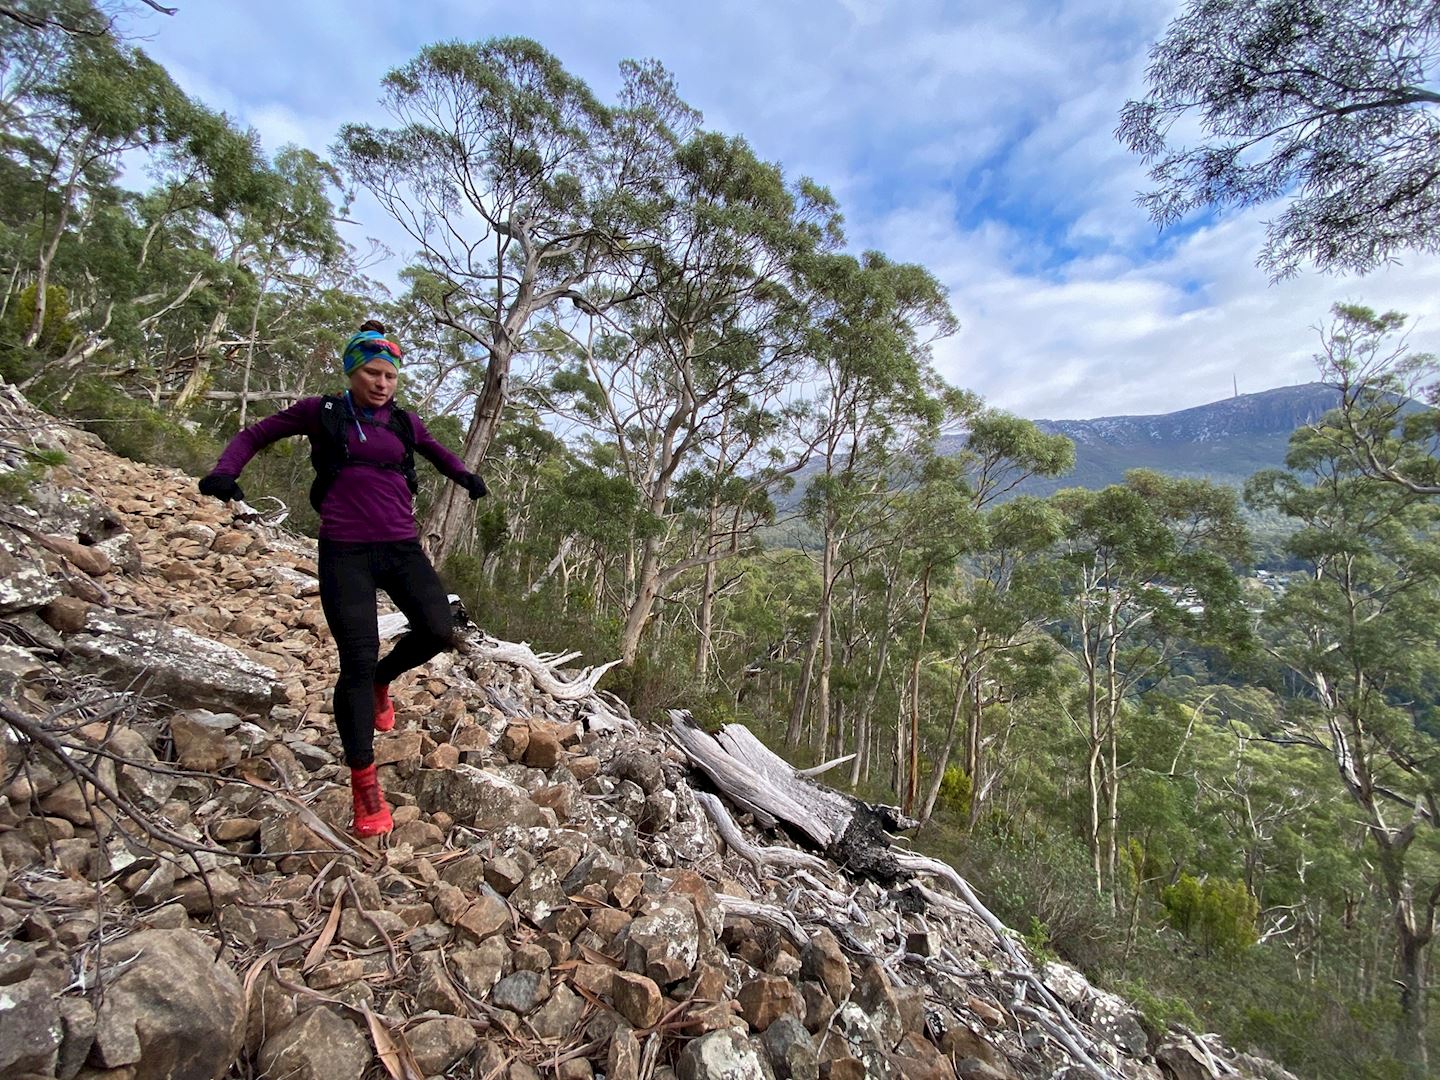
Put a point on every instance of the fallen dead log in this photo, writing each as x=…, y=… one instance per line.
x=766, y=915
x=755, y=779
x=757, y=857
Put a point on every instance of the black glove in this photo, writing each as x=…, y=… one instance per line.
x=474, y=485
x=222, y=487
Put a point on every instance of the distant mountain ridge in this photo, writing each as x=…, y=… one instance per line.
x=1225, y=440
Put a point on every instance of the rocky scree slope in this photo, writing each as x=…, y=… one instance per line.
x=179, y=898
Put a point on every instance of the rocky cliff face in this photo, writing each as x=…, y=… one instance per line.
x=179, y=897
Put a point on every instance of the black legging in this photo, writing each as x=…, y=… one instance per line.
x=349, y=576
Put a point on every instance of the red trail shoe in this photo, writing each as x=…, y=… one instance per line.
x=372, y=815
x=384, y=708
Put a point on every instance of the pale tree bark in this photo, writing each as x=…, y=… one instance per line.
x=51, y=246
x=453, y=510
x=952, y=735
x=706, y=618
x=912, y=781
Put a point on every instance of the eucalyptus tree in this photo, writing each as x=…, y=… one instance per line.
x=99, y=102
x=949, y=511
x=520, y=188
x=871, y=323
x=1357, y=632
x=1003, y=651
x=693, y=375
x=1386, y=417
x=1147, y=571
x=1329, y=104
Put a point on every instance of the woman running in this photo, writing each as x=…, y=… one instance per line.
x=363, y=448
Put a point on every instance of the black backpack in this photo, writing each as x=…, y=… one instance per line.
x=330, y=451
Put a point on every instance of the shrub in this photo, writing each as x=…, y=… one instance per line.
x=1219, y=916
x=134, y=429
x=955, y=791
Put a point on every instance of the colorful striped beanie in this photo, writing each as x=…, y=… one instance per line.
x=366, y=346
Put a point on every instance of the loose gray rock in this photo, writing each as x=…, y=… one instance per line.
x=791, y=1050
x=469, y=794
x=174, y=663
x=559, y=1016
x=30, y=1028
x=520, y=992
x=24, y=581
x=77, y=1022
x=320, y=1045
x=438, y=1044
x=722, y=1055
x=665, y=943
x=175, y=1013
x=539, y=897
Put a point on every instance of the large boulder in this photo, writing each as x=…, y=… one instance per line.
x=30, y=1028
x=471, y=795
x=723, y=1055
x=320, y=1045
x=174, y=663
x=1116, y=1020
x=175, y=1013
x=25, y=582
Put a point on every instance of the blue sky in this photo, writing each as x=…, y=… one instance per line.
x=973, y=138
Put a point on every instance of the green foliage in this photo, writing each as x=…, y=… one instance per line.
x=1158, y=1011
x=134, y=429
x=1323, y=102
x=1037, y=941
x=955, y=791
x=56, y=330
x=1219, y=916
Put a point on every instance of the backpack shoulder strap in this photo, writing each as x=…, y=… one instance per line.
x=332, y=420
x=403, y=425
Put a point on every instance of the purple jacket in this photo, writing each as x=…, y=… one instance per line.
x=364, y=505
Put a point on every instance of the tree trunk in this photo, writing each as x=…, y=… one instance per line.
x=647, y=587
x=802, y=687
x=706, y=620
x=897, y=765
x=974, y=745
x=452, y=510
x=1411, y=1045
x=48, y=251
x=867, y=711
x=250, y=350
x=952, y=734
x=912, y=781
x=1112, y=814
x=822, y=697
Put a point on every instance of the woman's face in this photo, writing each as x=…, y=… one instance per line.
x=372, y=384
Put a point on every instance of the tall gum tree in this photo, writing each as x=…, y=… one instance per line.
x=694, y=372
x=1327, y=104
x=74, y=120
x=1147, y=570
x=949, y=526
x=871, y=325
x=519, y=187
x=1358, y=631
x=1002, y=649
x=1381, y=423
